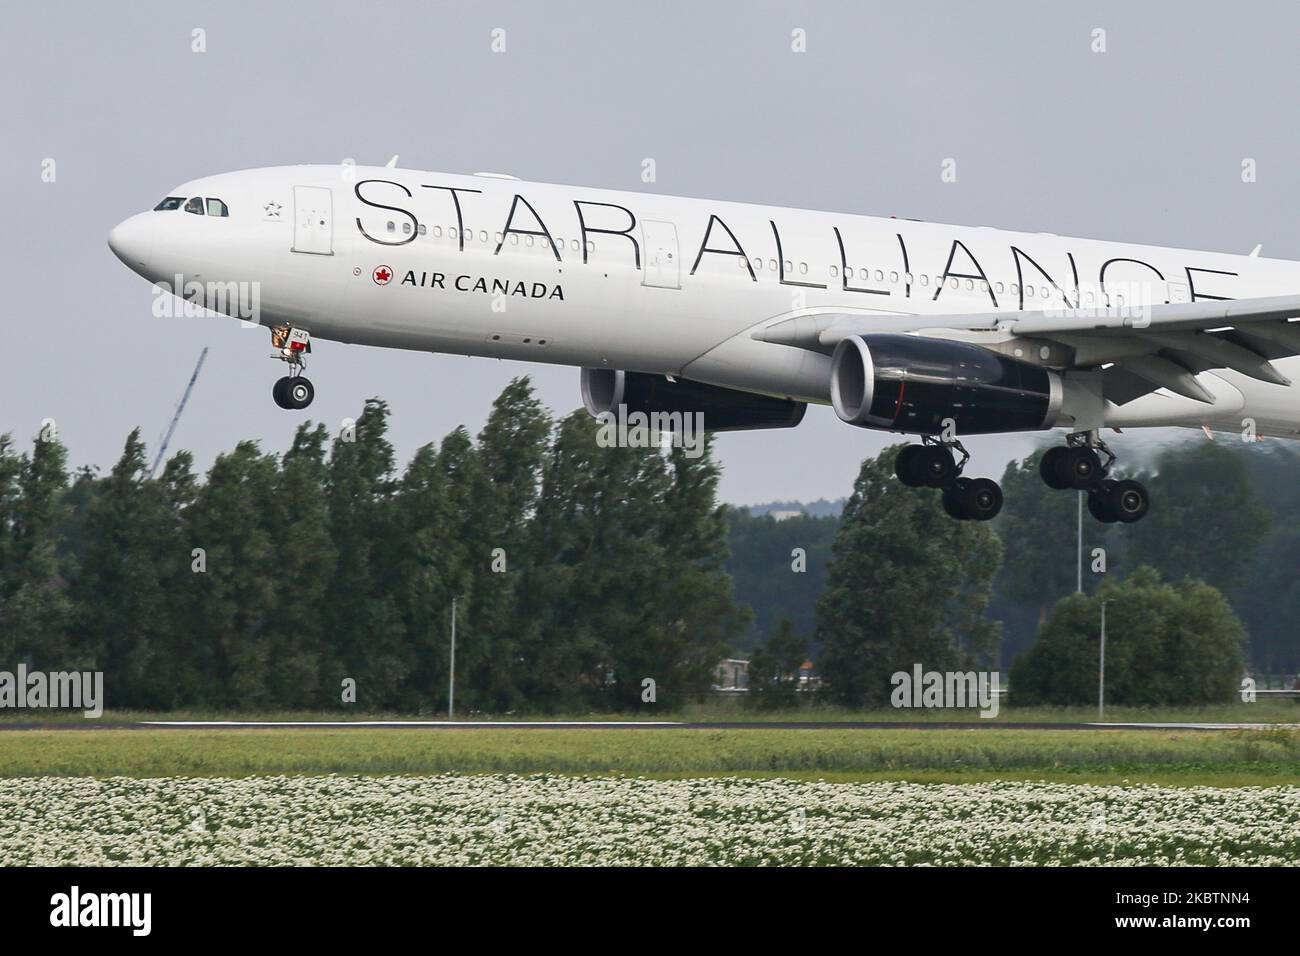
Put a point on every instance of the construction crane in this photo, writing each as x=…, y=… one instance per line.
x=166, y=439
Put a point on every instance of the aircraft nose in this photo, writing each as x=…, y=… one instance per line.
x=132, y=241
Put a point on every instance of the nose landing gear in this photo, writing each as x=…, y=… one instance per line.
x=294, y=391
x=1078, y=465
x=931, y=464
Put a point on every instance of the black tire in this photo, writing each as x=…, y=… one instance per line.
x=1080, y=467
x=908, y=466
x=279, y=392
x=954, y=499
x=1128, y=501
x=981, y=499
x=299, y=392
x=1099, y=503
x=937, y=466
x=1051, y=470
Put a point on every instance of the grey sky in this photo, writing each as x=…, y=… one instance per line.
x=1142, y=143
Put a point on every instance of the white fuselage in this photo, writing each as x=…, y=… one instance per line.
x=492, y=266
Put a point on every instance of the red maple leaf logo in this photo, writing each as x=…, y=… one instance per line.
x=382, y=275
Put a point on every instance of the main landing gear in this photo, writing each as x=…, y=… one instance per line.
x=295, y=390
x=1079, y=465
x=931, y=464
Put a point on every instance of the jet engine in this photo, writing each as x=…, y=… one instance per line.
x=907, y=383
x=724, y=409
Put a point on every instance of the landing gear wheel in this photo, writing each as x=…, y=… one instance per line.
x=981, y=499
x=1100, y=504
x=299, y=392
x=1079, y=467
x=954, y=499
x=279, y=392
x=1051, y=467
x=937, y=465
x=908, y=466
x=1129, y=501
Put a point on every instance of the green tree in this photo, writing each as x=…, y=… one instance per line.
x=1205, y=520
x=364, y=632
x=907, y=585
x=762, y=563
x=124, y=610
x=34, y=608
x=235, y=592
x=774, y=669
x=502, y=494
x=1165, y=645
x=301, y=672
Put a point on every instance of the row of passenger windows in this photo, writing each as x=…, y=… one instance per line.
x=483, y=236
x=894, y=278
x=759, y=264
x=197, y=205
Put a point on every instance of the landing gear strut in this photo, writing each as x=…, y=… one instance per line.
x=931, y=464
x=1079, y=465
x=295, y=390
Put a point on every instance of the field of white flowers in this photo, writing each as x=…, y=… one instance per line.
x=474, y=820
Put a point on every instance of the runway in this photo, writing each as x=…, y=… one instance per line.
x=642, y=725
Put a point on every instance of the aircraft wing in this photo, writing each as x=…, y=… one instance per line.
x=1161, y=346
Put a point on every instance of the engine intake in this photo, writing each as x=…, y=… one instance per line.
x=724, y=409
x=906, y=383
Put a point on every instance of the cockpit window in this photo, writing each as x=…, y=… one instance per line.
x=171, y=202
x=217, y=208
x=195, y=206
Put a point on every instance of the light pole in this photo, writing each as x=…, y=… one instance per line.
x=1079, y=540
x=451, y=679
x=1101, y=667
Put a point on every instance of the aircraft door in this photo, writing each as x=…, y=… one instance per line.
x=663, y=268
x=313, y=220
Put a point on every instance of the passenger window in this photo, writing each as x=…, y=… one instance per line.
x=437, y=232
x=217, y=208
x=406, y=228
x=392, y=226
x=835, y=271
x=195, y=206
x=170, y=203
x=421, y=230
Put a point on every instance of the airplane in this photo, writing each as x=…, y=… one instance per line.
x=748, y=313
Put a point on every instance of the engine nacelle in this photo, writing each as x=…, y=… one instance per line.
x=906, y=383
x=724, y=409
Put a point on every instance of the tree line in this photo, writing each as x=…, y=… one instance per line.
x=601, y=578
x=586, y=577
x=1205, y=585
